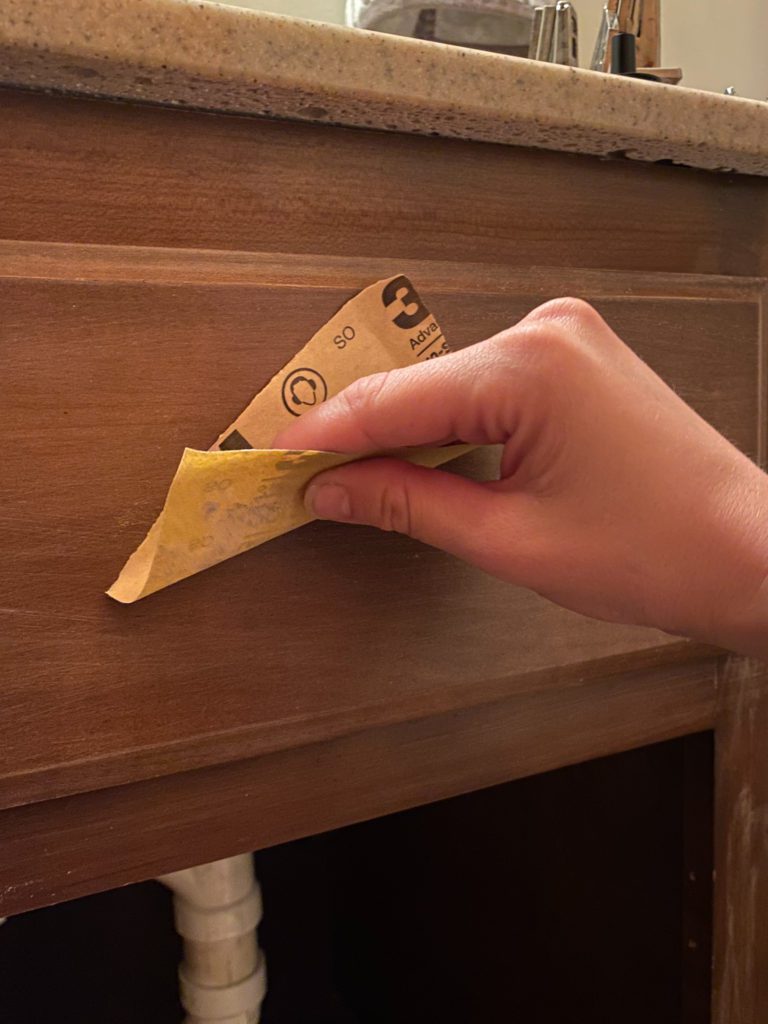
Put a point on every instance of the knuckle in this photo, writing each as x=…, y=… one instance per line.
x=570, y=310
x=365, y=392
x=359, y=402
x=560, y=333
x=395, y=511
x=540, y=343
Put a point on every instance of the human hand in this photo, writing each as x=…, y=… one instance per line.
x=614, y=498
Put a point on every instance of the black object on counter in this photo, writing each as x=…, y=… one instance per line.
x=624, y=57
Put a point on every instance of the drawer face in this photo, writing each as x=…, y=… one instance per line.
x=113, y=360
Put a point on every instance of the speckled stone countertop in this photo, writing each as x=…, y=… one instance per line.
x=211, y=57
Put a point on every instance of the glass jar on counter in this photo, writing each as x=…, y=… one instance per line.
x=501, y=26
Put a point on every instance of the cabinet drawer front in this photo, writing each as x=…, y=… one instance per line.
x=114, y=359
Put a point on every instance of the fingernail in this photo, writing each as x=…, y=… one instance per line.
x=328, y=501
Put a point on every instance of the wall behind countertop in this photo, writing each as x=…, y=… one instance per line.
x=716, y=42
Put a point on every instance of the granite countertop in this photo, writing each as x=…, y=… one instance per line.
x=207, y=56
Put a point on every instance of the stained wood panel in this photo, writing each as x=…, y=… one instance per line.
x=58, y=849
x=741, y=846
x=156, y=267
x=76, y=170
x=111, y=378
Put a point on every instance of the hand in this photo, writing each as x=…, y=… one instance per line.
x=615, y=499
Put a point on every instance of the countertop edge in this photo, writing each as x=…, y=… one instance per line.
x=210, y=57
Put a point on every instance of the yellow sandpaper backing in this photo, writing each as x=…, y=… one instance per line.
x=241, y=493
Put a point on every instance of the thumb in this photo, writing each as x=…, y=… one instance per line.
x=438, y=508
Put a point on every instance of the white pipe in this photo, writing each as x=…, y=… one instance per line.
x=217, y=907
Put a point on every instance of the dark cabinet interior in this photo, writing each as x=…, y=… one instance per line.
x=580, y=896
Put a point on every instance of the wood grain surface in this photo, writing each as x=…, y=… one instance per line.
x=77, y=170
x=156, y=268
x=111, y=379
x=741, y=845
x=59, y=849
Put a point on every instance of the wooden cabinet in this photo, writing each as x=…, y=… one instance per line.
x=156, y=267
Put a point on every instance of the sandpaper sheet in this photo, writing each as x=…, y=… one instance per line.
x=241, y=493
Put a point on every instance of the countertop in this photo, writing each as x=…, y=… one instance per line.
x=212, y=57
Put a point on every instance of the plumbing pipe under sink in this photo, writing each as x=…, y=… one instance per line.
x=217, y=908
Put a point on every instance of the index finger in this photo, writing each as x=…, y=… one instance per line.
x=426, y=404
